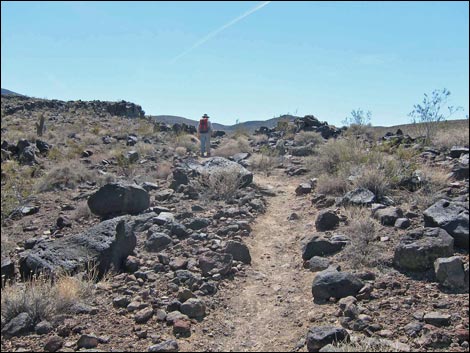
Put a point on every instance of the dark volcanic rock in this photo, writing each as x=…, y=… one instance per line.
x=157, y=242
x=419, y=248
x=359, y=197
x=319, y=337
x=8, y=269
x=239, y=251
x=18, y=326
x=117, y=199
x=212, y=262
x=319, y=245
x=330, y=283
x=167, y=346
x=326, y=220
x=453, y=217
x=107, y=245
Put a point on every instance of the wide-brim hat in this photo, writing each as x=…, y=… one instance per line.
x=205, y=116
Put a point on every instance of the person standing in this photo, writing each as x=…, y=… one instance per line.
x=204, y=131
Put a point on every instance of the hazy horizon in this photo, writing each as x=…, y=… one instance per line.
x=240, y=60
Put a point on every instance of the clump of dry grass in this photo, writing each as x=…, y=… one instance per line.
x=304, y=138
x=332, y=185
x=433, y=181
x=17, y=186
x=374, y=180
x=221, y=184
x=164, y=169
x=264, y=163
x=43, y=298
x=365, y=248
x=365, y=345
x=66, y=176
x=190, y=142
x=181, y=151
x=233, y=146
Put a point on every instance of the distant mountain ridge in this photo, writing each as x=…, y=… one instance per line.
x=247, y=125
x=7, y=92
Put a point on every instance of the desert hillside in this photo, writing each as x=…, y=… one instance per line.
x=301, y=236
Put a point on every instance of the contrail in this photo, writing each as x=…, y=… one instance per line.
x=217, y=31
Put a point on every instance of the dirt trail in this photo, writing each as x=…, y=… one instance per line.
x=267, y=309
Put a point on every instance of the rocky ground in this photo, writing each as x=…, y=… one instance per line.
x=240, y=254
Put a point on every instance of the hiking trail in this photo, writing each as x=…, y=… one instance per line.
x=267, y=309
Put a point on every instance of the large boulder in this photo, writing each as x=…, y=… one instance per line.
x=453, y=217
x=319, y=245
x=118, y=198
x=216, y=165
x=319, y=337
x=330, y=283
x=419, y=248
x=105, y=245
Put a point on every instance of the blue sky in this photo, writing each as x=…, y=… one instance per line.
x=320, y=58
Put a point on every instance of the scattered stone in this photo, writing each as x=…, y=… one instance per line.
x=239, y=251
x=107, y=245
x=326, y=220
x=402, y=223
x=359, y=197
x=303, y=189
x=119, y=198
x=18, y=326
x=53, y=344
x=388, y=216
x=182, y=328
x=193, y=308
x=319, y=337
x=43, y=328
x=167, y=346
x=144, y=315
x=157, y=242
x=87, y=342
x=317, y=263
x=419, y=248
x=319, y=245
x=437, y=319
x=331, y=284
x=453, y=217
x=212, y=262
x=450, y=272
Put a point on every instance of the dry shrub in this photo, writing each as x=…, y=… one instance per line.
x=82, y=212
x=264, y=163
x=221, y=184
x=66, y=175
x=164, y=169
x=332, y=185
x=190, y=142
x=43, y=298
x=433, y=180
x=260, y=139
x=144, y=149
x=181, y=151
x=365, y=248
x=304, y=138
x=233, y=146
x=375, y=181
x=364, y=344
x=338, y=157
x=446, y=139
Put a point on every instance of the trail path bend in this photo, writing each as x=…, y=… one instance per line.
x=267, y=309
